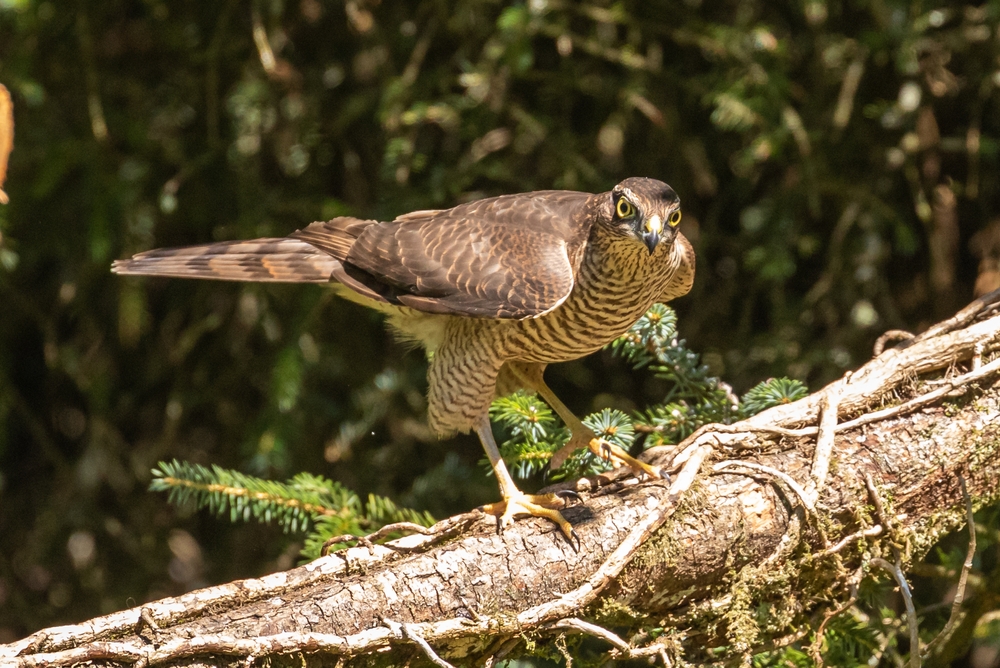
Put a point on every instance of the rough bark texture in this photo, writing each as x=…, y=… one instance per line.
x=697, y=554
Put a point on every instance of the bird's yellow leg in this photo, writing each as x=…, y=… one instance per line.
x=581, y=436
x=515, y=502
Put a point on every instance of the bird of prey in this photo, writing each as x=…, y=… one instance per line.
x=494, y=290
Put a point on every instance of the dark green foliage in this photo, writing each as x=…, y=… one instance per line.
x=534, y=433
x=837, y=164
x=293, y=505
x=322, y=507
x=850, y=642
x=772, y=392
x=693, y=398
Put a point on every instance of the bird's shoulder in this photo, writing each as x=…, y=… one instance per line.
x=567, y=214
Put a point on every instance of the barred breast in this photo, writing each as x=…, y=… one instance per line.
x=616, y=284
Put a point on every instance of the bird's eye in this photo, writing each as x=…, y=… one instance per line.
x=675, y=219
x=624, y=208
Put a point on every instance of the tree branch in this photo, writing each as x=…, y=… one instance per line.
x=697, y=556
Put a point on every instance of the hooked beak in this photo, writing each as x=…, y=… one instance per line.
x=651, y=233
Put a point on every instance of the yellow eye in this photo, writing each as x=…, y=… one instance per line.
x=624, y=208
x=675, y=219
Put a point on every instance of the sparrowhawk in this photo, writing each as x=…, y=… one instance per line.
x=494, y=290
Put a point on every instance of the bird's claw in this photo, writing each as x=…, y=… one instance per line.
x=605, y=450
x=535, y=505
x=568, y=494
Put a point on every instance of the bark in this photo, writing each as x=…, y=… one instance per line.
x=748, y=524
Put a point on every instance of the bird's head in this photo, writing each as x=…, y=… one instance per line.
x=646, y=209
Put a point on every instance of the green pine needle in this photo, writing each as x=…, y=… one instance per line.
x=613, y=426
x=532, y=433
x=694, y=398
x=772, y=392
x=305, y=502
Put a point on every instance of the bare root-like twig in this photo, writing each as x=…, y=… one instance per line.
x=406, y=631
x=825, y=432
x=816, y=646
x=896, y=570
x=847, y=540
x=956, y=604
x=439, y=531
x=733, y=466
x=580, y=626
x=891, y=335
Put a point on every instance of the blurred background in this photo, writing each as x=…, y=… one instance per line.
x=837, y=161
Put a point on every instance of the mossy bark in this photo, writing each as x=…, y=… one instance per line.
x=735, y=561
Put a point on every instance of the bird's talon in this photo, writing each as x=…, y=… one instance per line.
x=606, y=451
x=568, y=494
x=543, y=505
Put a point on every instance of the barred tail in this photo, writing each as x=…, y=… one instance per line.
x=279, y=260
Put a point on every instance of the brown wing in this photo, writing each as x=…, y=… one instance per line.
x=281, y=260
x=513, y=256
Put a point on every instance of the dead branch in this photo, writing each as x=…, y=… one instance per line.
x=653, y=554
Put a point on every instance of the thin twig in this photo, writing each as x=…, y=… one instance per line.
x=403, y=630
x=846, y=540
x=574, y=624
x=911, y=612
x=978, y=308
x=505, y=648
x=621, y=646
x=439, y=530
x=560, y=643
x=825, y=433
x=923, y=399
x=877, y=500
x=897, y=573
x=817, y=643
x=784, y=477
x=146, y=619
x=891, y=335
x=956, y=604
x=369, y=540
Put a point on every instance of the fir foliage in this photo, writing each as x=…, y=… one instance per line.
x=772, y=392
x=694, y=398
x=322, y=507
x=533, y=430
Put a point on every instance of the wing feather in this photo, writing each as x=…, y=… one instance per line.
x=507, y=257
x=513, y=256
